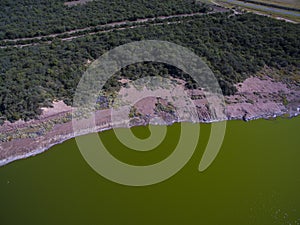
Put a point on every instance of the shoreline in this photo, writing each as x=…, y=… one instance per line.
x=64, y=138
x=256, y=98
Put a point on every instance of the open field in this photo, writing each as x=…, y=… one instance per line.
x=275, y=15
x=276, y=9
x=287, y=3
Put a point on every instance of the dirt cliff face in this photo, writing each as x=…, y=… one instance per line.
x=256, y=98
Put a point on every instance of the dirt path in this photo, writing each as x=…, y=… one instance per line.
x=106, y=28
x=109, y=25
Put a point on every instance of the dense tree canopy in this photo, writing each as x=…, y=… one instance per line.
x=234, y=48
x=29, y=18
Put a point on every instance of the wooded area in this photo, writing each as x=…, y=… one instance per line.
x=30, y=18
x=234, y=48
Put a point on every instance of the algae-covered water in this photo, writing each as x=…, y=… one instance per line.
x=255, y=179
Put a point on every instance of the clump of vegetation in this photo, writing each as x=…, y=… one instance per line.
x=134, y=113
x=161, y=107
x=250, y=101
x=34, y=130
x=283, y=97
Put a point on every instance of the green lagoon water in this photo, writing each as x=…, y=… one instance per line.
x=255, y=179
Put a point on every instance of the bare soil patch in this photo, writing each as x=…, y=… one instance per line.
x=256, y=98
x=79, y=2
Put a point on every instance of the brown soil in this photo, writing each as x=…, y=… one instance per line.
x=256, y=98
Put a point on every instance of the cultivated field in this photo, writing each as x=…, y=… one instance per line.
x=287, y=3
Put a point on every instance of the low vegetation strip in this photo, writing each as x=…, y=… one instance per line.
x=288, y=3
x=272, y=5
x=277, y=13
